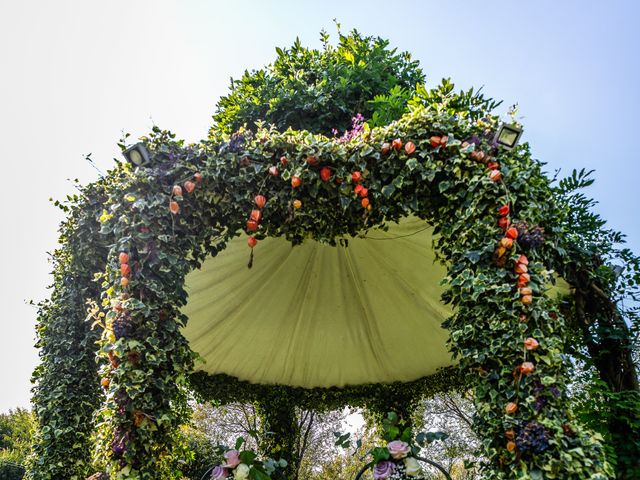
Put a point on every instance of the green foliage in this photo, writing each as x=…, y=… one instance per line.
x=201, y=455
x=16, y=435
x=389, y=107
x=66, y=391
x=442, y=99
x=317, y=90
x=604, y=311
x=224, y=389
x=10, y=470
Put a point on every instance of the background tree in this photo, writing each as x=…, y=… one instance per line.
x=313, y=442
x=318, y=90
x=16, y=437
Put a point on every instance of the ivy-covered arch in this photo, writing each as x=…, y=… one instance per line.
x=162, y=220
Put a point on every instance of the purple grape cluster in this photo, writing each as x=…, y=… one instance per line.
x=122, y=326
x=541, y=394
x=238, y=139
x=529, y=236
x=533, y=438
x=119, y=442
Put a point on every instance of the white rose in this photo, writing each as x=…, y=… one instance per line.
x=412, y=467
x=241, y=472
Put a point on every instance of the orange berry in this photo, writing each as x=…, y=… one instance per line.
x=495, y=175
x=260, y=200
x=527, y=368
x=189, y=186
x=252, y=242
x=256, y=215
x=526, y=291
x=409, y=148
x=507, y=243
x=531, y=343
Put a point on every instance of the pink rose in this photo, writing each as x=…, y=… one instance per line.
x=233, y=459
x=398, y=449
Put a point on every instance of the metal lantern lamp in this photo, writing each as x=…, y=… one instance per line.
x=508, y=136
x=137, y=155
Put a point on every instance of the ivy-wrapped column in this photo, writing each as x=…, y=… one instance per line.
x=67, y=390
x=280, y=431
x=506, y=332
x=147, y=358
x=402, y=400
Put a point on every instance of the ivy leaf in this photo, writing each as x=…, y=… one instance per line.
x=412, y=164
x=247, y=457
x=388, y=190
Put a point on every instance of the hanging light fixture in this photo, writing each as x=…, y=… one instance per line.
x=508, y=136
x=137, y=154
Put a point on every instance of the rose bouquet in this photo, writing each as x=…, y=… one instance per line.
x=398, y=460
x=243, y=465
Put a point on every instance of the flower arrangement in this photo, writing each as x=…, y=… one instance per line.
x=243, y=465
x=398, y=460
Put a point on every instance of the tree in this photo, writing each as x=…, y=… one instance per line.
x=16, y=437
x=313, y=442
x=451, y=413
x=318, y=90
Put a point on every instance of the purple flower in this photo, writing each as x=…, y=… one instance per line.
x=219, y=473
x=398, y=449
x=384, y=469
x=357, y=128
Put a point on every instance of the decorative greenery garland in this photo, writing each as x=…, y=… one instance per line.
x=163, y=220
x=382, y=398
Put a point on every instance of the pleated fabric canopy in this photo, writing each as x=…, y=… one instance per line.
x=314, y=315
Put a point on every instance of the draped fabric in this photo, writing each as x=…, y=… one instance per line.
x=320, y=316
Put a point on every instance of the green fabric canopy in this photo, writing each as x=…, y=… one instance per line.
x=321, y=316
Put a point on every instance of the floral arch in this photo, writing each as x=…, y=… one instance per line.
x=134, y=236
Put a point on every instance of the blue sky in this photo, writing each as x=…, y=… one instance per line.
x=74, y=74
